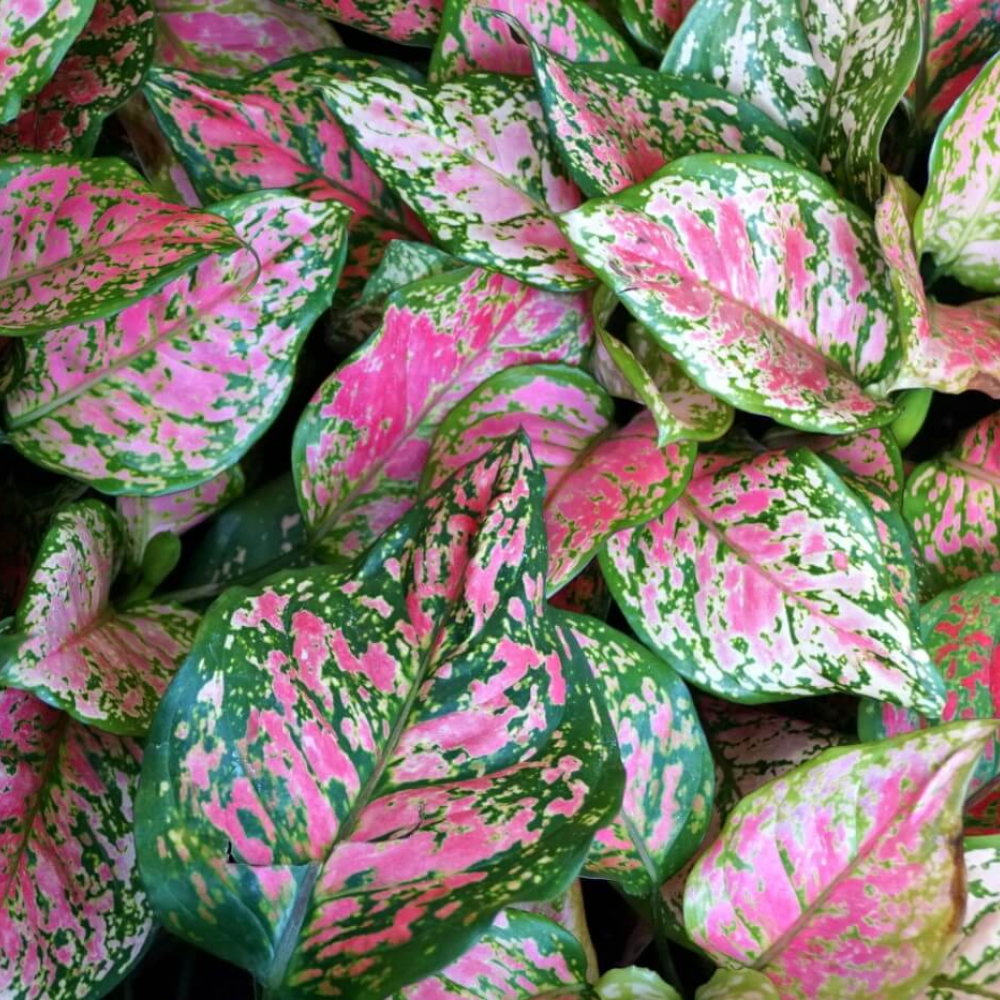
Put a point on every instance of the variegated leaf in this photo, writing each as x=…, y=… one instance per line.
x=145, y=517
x=102, y=68
x=737, y=984
x=359, y=450
x=176, y=387
x=117, y=240
x=634, y=983
x=768, y=288
x=669, y=777
x=105, y=667
x=472, y=40
x=855, y=885
x=831, y=73
x=585, y=594
x=279, y=132
x=569, y=912
x=973, y=967
x=74, y=916
x=411, y=22
x=599, y=479
x=766, y=579
x=652, y=23
x=34, y=37
x=959, y=217
x=235, y=37
x=952, y=503
x=473, y=159
x=615, y=126
x=423, y=744
x=962, y=631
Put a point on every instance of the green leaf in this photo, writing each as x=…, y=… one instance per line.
x=745, y=984
x=104, y=667
x=831, y=74
x=410, y=22
x=424, y=748
x=634, y=983
x=767, y=288
x=652, y=23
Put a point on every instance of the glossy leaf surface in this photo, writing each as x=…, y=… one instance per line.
x=176, y=387
x=767, y=288
x=411, y=22
x=653, y=22
x=423, y=745
x=766, y=579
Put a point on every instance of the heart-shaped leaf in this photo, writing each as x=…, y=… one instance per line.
x=104, y=667
x=359, y=451
x=669, y=776
x=412, y=22
x=866, y=837
x=102, y=68
x=34, y=37
x=117, y=242
x=74, y=915
x=952, y=503
x=652, y=23
x=766, y=579
x=235, y=37
x=473, y=159
x=767, y=287
x=176, y=387
x=615, y=126
x=599, y=478
x=832, y=76
x=424, y=746
x=472, y=40
x=959, y=217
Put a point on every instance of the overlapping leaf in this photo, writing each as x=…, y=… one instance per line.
x=959, y=217
x=585, y=594
x=117, y=240
x=653, y=22
x=412, y=22
x=73, y=649
x=102, y=68
x=831, y=74
x=74, y=916
x=866, y=837
x=176, y=387
x=768, y=288
x=473, y=159
x=472, y=40
x=417, y=746
x=599, y=478
x=359, y=450
x=617, y=125
x=767, y=579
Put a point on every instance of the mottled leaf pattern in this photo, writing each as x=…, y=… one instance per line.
x=359, y=451
x=569, y=913
x=768, y=289
x=737, y=984
x=423, y=744
x=831, y=73
x=634, y=983
x=616, y=126
x=412, y=22
x=653, y=22
x=176, y=387
x=472, y=158
x=767, y=579
x=74, y=915
x=959, y=217
x=102, y=666
x=865, y=837
x=474, y=41
x=117, y=242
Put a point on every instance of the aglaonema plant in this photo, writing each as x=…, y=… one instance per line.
x=499, y=500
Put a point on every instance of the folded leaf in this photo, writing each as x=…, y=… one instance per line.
x=74, y=915
x=860, y=838
x=105, y=667
x=102, y=68
x=830, y=74
x=617, y=125
x=766, y=286
x=952, y=503
x=34, y=37
x=964, y=350
x=766, y=579
x=359, y=450
x=653, y=22
x=959, y=217
x=178, y=386
x=474, y=41
x=423, y=745
x=412, y=22
x=117, y=240
x=473, y=159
